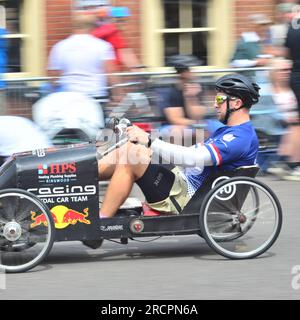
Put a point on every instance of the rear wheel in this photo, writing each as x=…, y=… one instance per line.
x=26, y=230
x=240, y=218
x=221, y=217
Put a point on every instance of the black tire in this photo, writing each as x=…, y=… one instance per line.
x=24, y=213
x=230, y=247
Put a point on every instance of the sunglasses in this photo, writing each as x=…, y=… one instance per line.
x=220, y=99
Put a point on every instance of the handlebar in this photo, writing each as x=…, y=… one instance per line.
x=115, y=146
x=120, y=127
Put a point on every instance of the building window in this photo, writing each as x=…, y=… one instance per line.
x=185, y=28
x=14, y=37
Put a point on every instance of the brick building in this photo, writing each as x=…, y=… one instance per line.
x=155, y=29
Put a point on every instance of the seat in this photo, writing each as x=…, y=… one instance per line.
x=194, y=205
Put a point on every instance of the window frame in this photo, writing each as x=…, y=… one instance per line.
x=32, y=33
x=220, y=28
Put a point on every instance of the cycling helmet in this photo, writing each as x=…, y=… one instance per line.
x=237, y=85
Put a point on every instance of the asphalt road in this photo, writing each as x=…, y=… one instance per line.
x=171, y=268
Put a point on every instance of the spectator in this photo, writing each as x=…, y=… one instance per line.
x=249, y=49
x=282, y=94
x=292, y=50
x=3, y=63
x=286, y=102
x=179, y=103
x=292, y=45
x=278, y=31
x=108, y=30
x=19, y=134
x=80, y=62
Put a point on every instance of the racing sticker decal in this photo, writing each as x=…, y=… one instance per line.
x=39, y=153
x=62, y=216
x=228, y=137
x=57, y=172
x=225, y=193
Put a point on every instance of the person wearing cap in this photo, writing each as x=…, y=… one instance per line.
x=179, y=103
x=168, y=188
x=249, y=49
x=108, y=30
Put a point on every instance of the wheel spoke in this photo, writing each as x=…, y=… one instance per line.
x=16, y=208
x=25, y=211
x=30, y=245
x=260, y=207
x=2, y=220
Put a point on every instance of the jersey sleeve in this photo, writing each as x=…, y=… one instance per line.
x=228, y=148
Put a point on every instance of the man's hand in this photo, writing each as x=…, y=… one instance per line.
x=135, y=134
x=192, y=89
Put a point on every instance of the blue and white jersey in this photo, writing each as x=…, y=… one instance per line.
x=230, y=148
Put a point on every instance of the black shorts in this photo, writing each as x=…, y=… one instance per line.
x=157, y=182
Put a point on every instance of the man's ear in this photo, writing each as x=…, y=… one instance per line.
x=239, y=103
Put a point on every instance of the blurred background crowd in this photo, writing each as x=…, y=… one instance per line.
x=67, y=67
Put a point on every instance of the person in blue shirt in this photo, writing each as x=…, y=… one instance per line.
x=168, y=188
x=3, y=64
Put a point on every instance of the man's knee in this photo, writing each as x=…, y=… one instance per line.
x=134, y=154
x=130, y=157
x=136, y=171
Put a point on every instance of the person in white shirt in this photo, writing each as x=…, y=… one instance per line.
x=18, y=134
x=81, y=62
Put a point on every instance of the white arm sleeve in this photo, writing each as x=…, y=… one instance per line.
x=183, y=156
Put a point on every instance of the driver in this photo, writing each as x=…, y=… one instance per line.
x=168, y=190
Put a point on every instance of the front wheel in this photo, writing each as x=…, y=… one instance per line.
x=26, y=230
x=240, y=218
